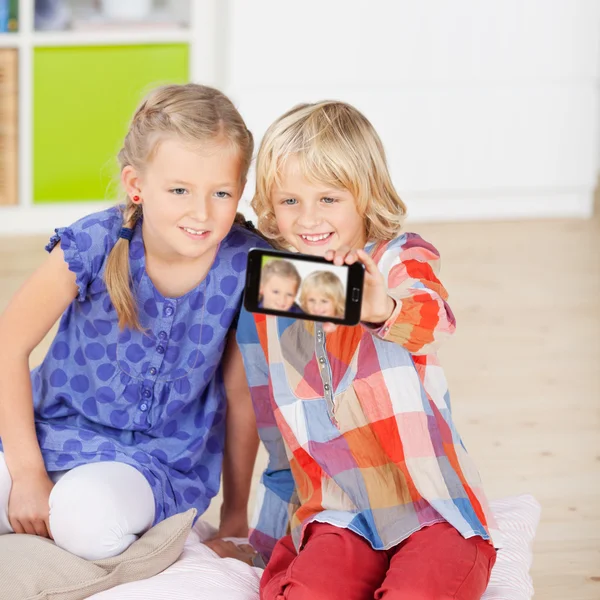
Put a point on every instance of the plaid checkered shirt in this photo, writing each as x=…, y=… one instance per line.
x=358, y=422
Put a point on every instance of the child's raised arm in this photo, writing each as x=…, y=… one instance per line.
x=403, y=300
x=421, y=318
x=28, y=318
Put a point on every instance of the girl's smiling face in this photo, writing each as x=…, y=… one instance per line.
x=189, y=197
x=319, y=304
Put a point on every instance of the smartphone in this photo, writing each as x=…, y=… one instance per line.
x=302, y=286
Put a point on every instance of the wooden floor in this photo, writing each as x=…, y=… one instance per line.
x=524, y=371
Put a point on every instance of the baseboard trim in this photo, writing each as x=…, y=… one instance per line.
x=44, y=218
x=501, y=206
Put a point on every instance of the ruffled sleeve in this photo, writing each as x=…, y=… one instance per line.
x=85, y=246
x=73, y=258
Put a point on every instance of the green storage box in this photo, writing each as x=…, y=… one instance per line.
x=83, y=99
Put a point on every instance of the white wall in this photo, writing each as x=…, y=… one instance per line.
x=487, y=108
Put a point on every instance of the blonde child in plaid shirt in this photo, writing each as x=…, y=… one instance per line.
x=366, y=467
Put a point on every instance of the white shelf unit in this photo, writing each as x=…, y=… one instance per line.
x=96, y=38
x=202, y=36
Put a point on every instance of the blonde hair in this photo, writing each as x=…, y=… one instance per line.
x=193, y=113
x=336, y=145
x=328, y=284
x=282, y=268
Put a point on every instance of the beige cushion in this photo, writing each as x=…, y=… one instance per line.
x=33, y=568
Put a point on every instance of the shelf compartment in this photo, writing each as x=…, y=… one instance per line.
x=9, y=126
x=83, y=98
x=118, y=37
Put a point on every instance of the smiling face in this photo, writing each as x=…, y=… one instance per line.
x=314, y=218
x=316, y=303
x=189, y=196
x=322, y=294
x=278, y=292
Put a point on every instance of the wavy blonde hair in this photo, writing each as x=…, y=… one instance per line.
x=327, y=284
x=196, y=114
x=335, y=145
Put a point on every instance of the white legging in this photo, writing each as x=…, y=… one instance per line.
x=96, y=510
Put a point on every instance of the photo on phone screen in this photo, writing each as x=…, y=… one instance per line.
x=303, y=287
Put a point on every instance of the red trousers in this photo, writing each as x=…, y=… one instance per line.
x=434, y=563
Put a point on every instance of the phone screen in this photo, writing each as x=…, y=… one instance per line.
x=300, y=287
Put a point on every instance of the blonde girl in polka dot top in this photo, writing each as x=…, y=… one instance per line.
x=123, y=424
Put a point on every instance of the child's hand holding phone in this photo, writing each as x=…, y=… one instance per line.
x=377, y=305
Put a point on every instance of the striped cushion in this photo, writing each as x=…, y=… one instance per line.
x=200, y=575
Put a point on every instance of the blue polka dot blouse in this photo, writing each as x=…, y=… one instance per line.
x=155, y=399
